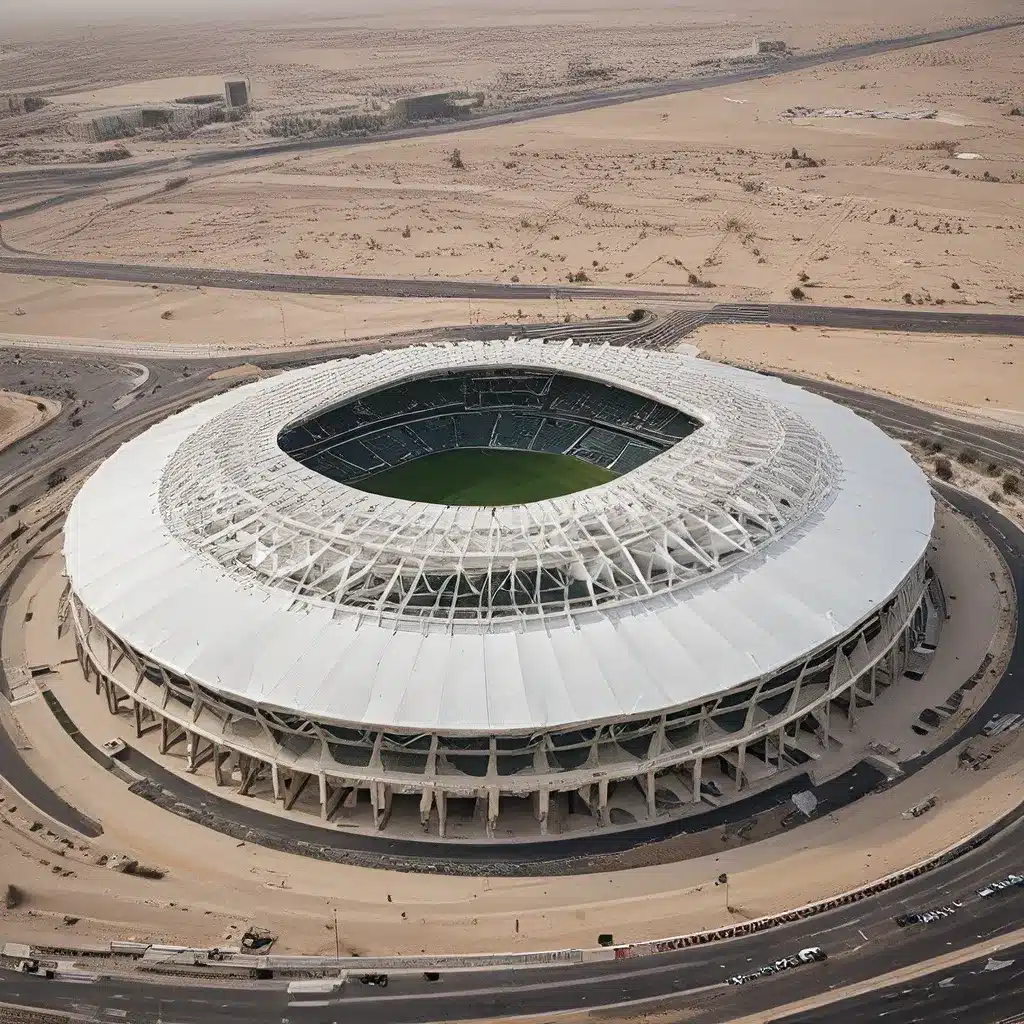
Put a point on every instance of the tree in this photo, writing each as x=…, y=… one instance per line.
x=455, y=159
x=943, y=468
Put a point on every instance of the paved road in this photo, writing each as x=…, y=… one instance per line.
x=990, y=988
x=862, y=942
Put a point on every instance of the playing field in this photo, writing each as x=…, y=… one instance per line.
x=491, y=477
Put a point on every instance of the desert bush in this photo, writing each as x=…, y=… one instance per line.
x=34, y=103
x=636, y=315
x=12, y=510
x=1011, y=483
x=995, y=496
x=908, y=298
x=107, y=156
x=992, y=469
x=580, y=277
x=804, y=276
x=967, y=457
x=13, y=897
x=144, y=871
x=455, y=159
x=56, y=478
x=733, y=224
x=943, y=468
x=798, y=293
x=407, y=232
x=752, y=186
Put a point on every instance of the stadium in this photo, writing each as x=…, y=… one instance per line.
x=502, y=589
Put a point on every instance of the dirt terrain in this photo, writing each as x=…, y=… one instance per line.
x=723, y=194
x=311, y=67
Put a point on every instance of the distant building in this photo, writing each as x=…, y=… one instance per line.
x=430, y=106
x=237, y=92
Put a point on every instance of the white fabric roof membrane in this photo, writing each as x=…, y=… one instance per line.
x=817, y=519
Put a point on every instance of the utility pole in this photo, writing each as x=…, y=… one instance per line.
x=337, y=941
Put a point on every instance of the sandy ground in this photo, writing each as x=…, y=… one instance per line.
x=694, y=188
x=962, y=374
x=20, y=415
x=214, y=882
x=360, y=58
x=215, y=320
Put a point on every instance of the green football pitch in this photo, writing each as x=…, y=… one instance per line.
x=486, y=477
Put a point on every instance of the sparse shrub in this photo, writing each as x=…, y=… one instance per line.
x=967, y=457
x=636, y=315
x=955, y=286
x=992, y=469
x=580, y=277
x=943, y=468
x=908, y=298
x=937, y=446
x=56, y=478
x=107, y=156
x=33, y=103
x=12, y=510
x=144, y=871
x=804, y=277
x=752, y=186
x=798, y=293
x=455, y=159
x=14, y=897
x=995, y=496
x=733, y=224
x=76, y=421
x=515, y=279
x=407, y=232
x=1011, y=483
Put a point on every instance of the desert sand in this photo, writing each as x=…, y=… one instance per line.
x=21, y=415
x=698, y=192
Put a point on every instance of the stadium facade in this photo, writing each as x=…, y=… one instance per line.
x=717, y=613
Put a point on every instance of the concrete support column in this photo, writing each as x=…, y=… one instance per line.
x=602, y=802
x=322, y=784
x=540, y=809
x=493, y=810
x=874, y=683
x=740, y=765
x=782, y=748
x=294, y=786
x=191, y=741
x=275, y=779
x=426, y=807
x=698, y=768
x=138, y=720
x=441, y=799
x=851, y=711
x=651, y=808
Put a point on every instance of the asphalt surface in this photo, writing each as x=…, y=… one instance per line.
x=990, y=988
x=862, y=941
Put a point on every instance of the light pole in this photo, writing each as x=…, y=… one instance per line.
x=337, y=942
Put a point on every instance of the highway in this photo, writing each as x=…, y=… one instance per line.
x=862, y=941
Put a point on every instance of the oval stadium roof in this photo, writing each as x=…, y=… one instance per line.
x=773, y=529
